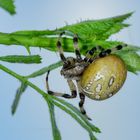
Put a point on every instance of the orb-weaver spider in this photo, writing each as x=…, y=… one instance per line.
x=98, y=75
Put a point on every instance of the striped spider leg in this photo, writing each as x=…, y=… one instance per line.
x=71, y=70
x=91, y=56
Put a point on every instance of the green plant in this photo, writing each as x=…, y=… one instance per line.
x=91, y=33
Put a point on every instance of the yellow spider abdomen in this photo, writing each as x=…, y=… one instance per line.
x=104, y=77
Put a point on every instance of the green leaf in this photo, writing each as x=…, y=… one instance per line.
x=19, y=92
x=88, y=32
x=34, y=33
x=21, y=59
x=128, y=54
x=49, y=98
x=75, y=110
x=8, y=5
x=44, y=70
x=55, y=130
x=97, y=29
x=73, y=115
x=132, y=61
x=91, y=32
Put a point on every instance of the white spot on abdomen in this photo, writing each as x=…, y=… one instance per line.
x=98, y=77
x=111, y=81
x=98, y=87
x=97, y=97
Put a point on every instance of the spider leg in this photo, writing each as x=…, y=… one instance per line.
x=75, y=44
x=71, y=86
x=77, y=50
x=106, y=52
x=89, y=54
x=109, y=51
x=60, y=49
x=92, y=52
x=82, y=101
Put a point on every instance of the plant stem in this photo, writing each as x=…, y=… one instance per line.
x=75, y=110
x=73, y=115
x=44, y=70
x=17, y=76
x=55, y=130
x=49, y=98
x=22, y=79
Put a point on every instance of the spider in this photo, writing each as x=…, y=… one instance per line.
x=99, y=75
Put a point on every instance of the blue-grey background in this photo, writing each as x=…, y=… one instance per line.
x=118, y=117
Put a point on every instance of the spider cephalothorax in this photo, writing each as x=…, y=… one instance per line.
x=73, y=68
x=98, y=76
